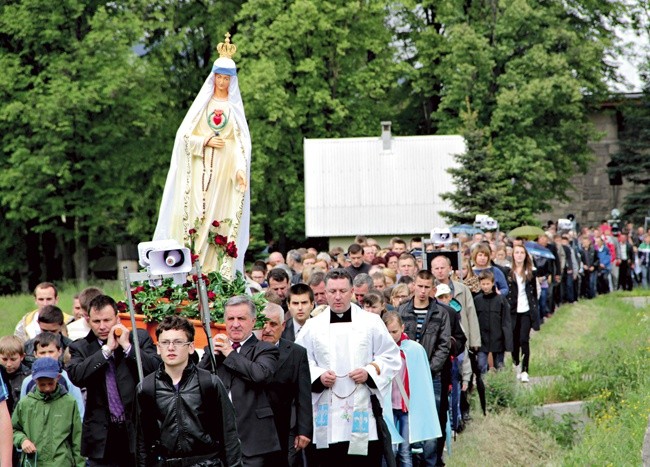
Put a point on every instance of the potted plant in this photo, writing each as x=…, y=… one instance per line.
x=152, y=304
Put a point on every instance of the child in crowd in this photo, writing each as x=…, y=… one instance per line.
x=11, y=358
x=374, y=303
x=46, y=423
x=48, y=345
x=412, y=397
x=50, y=319
x=444, y=295
x=493, y=314
x=12, y=355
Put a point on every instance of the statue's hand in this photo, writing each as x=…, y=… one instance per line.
x=241, y=181
x=216, y=142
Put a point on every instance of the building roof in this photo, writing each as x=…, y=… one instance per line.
x=353, y=186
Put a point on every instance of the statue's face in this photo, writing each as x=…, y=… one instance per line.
x=221, y=82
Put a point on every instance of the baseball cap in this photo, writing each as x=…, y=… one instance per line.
x=45, y=367
x=442, y=289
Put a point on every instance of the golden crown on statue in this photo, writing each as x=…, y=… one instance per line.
x=225, y=48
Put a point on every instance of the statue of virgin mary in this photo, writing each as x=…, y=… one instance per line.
x=209, y=174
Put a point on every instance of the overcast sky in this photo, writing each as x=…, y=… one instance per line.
x=629, y=64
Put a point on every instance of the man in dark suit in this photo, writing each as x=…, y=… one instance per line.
x=104, y=363
x=289, y=390
x=246, y=366
x=301, y=302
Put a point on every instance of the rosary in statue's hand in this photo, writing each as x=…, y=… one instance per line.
x=216, y=142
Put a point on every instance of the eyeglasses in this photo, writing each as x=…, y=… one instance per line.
x=173, y=344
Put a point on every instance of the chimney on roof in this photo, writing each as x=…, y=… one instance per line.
x=386, y=135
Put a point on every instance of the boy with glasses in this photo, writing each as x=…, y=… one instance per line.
x=184, y=414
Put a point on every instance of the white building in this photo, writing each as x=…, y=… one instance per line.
x=377, y=186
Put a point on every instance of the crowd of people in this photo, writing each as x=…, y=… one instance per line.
x=366, y=355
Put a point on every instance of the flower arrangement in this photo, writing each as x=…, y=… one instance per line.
x=222, y=245
x=168, y=298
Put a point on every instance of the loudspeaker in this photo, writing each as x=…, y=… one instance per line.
x=564, y=224
x=165, y=257
x=441, y=236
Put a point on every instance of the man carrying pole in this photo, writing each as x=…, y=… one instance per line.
x=105, y=364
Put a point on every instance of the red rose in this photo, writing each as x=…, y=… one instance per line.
x=216, y=223
x=138, y=307
x=192, y=294
x=192, y=231
x=195, y=278
x=121, y=307
x=231, y=249
x=137, y=290
x=194, y=258
x=211, y=295
x=220, y=240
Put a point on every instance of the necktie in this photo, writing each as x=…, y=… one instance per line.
x=115, y=406
x=235, y=346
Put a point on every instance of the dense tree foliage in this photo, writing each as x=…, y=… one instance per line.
x=77, y=109
x=531, y=70
x=92, y=94
x=312, y=69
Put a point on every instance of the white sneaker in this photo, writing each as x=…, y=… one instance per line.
x=524, y=377
x=518, y=370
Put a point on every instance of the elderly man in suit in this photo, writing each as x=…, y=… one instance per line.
x=289, y=390
x=104, y=363
x=246, y=367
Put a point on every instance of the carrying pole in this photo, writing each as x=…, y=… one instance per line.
x=136, y=339
x=204, y=309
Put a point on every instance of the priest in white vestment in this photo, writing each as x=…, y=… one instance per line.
x=351, y=357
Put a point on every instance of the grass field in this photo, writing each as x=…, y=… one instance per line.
x=13, y=307
x=597, y=351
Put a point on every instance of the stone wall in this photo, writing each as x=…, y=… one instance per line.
x=593, y=198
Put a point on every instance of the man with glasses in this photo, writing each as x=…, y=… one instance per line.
x=184, y=414
x=104, y=363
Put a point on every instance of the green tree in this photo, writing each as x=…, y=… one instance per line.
x=532, y=70
x=475, y=180
x=78, y=108
x=310, y=69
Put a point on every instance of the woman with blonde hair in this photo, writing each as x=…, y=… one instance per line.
x=399, y=295
x=468, y=277
x=390, y=275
